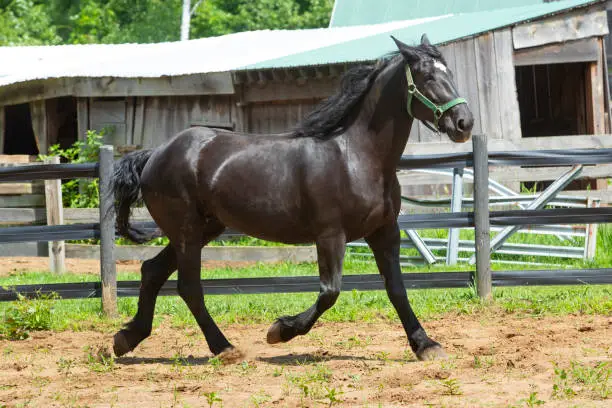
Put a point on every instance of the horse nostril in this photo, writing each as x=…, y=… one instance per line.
x=460, y=125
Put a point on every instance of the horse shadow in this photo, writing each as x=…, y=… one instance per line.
x=280, y=360
x=192, y=361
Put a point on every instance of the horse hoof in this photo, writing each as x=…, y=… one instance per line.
x=230, y=355
x=274, y=333
x=432, y=353
x=120, y=344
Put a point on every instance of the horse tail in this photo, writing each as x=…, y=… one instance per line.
x=126, y=188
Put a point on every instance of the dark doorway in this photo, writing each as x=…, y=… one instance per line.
x=62, y=124
x=19, y=135
x=552, y=99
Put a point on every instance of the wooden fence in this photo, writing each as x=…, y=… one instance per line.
x=480, y=218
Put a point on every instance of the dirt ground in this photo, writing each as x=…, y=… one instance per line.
x=89, y=266
x=496, y=360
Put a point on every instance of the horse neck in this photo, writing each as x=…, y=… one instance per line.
x=383, y=125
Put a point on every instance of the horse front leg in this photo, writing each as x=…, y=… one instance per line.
x=330, y=255
x=385, y=244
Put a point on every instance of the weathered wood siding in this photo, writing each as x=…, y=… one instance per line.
x=164, y=117
x=277, y=117
x=150, y=121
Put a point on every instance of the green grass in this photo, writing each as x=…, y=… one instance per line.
x=351, y=306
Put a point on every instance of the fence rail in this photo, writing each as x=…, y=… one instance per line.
x=105, y=230
x=299, y=284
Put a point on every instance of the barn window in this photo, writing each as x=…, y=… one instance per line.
x=553, y=99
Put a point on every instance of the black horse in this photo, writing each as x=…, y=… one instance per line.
x=330, y=181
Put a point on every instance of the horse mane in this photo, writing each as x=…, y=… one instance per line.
x=328, y=117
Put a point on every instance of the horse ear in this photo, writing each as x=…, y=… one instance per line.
x=425, y=40
x=408, y=52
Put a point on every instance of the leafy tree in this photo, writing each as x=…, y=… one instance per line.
x=24, y=22
x=218, y=17
x=144, y=21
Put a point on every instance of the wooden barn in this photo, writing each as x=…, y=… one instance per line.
x=532, y=71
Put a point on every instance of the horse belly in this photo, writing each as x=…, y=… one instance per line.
x=261, y=206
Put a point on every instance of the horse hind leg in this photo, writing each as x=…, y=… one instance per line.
x=190, y=289
x=154, y=273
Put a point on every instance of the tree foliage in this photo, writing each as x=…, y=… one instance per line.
x=35, y=22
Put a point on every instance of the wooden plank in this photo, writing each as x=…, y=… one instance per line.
x=595, y=94
x=506, y=86
x=127, y=149
x=214, y=124
x=585, y=50
x=502, y=175
x=21, y=188
x=111, y=115
x=486, y=73
x=2, y=129
x=28, y=249
x=87, y=215
x=564, y=27
x=22, y=201
x=531, y=143
x=130, y=110
x=314, y=89
x=55, y=216
x=82, y=117
x=219, y=253
x=38, y=111
x=17, y=159
x=238, y=111
x=467, y=83
x=139, y=118
x=18, y=216
x=217, y=83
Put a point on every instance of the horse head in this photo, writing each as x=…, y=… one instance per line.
x=431, y=93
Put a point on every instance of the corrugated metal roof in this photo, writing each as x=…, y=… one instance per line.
x=445, y=29
x=358, y=12
x=216, y=54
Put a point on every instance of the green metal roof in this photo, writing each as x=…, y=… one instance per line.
x=441, y=30
x=361, y=12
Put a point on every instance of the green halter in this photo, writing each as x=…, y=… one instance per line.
x=437, y=110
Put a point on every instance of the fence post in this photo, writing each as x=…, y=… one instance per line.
x=590, y=239
x=452, y=248
x=55, y=216
x=481, y=216
x=107, y=232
